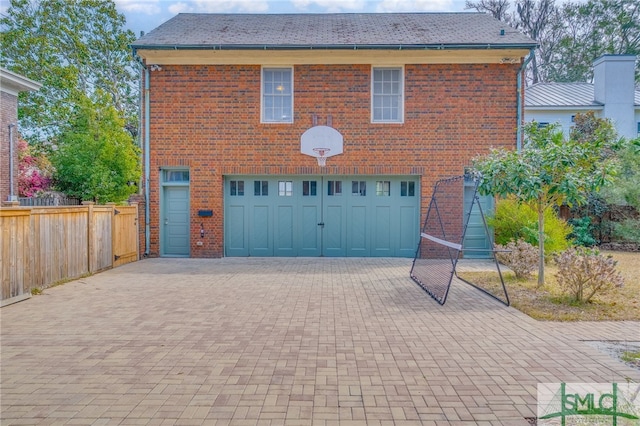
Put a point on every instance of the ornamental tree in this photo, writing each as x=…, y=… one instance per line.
x=549, y=171
x=34, y=171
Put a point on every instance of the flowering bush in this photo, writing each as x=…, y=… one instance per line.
x=34, y=171
x=521, y=257
x=584, y=272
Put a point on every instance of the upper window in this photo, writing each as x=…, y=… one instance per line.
x=277, y=95
x=408, y=188
x=334, y=187
x=260, y=188
x=236, y=188
x=285, y=188
x=175, y=176
x=309, y=188
x=359, y=188
x=386, y=95
x=383, y=188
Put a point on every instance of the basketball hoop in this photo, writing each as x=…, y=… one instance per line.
x=322, y=160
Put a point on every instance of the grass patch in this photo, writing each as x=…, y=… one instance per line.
x=38, y=291
x=549, y=303
x=631, y=356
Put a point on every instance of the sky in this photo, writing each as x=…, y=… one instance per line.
x=145, y=15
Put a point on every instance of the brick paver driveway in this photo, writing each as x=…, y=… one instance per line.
x=283, y=341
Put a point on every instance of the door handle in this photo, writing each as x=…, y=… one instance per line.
x=321, y=224
x=166, y=221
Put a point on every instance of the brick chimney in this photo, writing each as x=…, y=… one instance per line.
x=614, y=87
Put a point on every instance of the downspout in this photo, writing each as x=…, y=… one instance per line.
x=147, y=163
x=520, y=100
x=12, y=196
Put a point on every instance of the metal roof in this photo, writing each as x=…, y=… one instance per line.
x=335, y=31
x=564, y=95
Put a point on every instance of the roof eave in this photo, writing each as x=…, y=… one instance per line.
x=441, y=46
x=13, y=83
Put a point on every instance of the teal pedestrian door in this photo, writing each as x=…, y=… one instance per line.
x=321, y=216
x=174, y=215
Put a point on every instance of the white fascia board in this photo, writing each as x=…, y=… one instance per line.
x=13, y=83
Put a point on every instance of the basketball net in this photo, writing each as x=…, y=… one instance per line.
x=322, y=160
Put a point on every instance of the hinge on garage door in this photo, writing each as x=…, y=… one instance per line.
x=115, y=212
x=116, y=257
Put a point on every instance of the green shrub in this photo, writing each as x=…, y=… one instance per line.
x=582, y=234
x=628, y=230
x=521, y=257
x=584, y=272
x=513, y=221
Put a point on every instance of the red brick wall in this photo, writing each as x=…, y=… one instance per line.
x=9, y=112
x=207, y=118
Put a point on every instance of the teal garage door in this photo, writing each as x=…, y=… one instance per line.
x=321, y=216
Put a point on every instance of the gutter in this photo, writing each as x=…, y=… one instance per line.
x=520, y=100
x=440, y=46
x=147, y=162
x=12, y=196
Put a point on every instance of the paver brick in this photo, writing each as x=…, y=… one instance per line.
x=282, y=341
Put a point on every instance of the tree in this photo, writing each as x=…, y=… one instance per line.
x=592, y=29
x=34, y=171
x=499, y=9
x=539, y=20
x=536, y=18
x=75, y=48
x=571, y=36
x=548, y=171
x=95, y=158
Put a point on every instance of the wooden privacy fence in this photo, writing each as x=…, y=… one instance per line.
x=40, y=246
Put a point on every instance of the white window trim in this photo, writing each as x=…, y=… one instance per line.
x=401, y=120
x=262, y=68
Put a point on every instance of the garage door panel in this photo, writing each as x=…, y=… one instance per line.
x=381, y=232
x=309, y=229
x=284, y=231
x=357, y=229
x=333, y=237
x=408, y=238
x=236, y=242
x=260, y=231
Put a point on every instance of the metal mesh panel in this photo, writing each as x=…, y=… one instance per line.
x=440, y=247
x=440, y=243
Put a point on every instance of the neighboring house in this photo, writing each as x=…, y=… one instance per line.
x=234, y=105
x=11, y=85
x=612, y=95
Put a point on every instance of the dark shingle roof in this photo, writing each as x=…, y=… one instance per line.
x=564, y=95
x=342, y=30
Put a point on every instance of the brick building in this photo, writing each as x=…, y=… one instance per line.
x=11, y=85
x=235, y=104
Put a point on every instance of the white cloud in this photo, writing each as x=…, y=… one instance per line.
x=147, y=7
x=415, y=6
x=179, y=7
x=331, y=6
x=220, y=6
